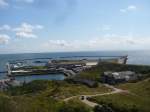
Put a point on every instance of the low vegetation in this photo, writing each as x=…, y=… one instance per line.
x=56, y=89
x=135, y=101
x=47, y=96
x=95, y=72
x=74, y=106
x=39, y=104
x=28, y=104
x=141, y=88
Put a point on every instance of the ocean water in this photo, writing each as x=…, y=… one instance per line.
x=134, y=57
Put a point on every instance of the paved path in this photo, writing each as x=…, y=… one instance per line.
x=69, y=98
x=92, y=104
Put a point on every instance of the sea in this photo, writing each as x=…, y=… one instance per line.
x=140, y=57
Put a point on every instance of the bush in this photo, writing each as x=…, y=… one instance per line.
x=102, y=108
x=73, y=107
x=32, y=87
x=5, y=104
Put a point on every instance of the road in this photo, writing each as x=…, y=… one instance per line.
x=92, y=104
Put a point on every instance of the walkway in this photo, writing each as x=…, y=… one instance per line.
x=92, y=104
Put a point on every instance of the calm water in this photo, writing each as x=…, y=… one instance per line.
x=135, y=57
x=41, y=77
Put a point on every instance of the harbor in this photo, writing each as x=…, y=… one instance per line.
x=68, y=66
x=26, y=70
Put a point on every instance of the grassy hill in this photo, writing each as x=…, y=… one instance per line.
x=56, y=89
x=137, y=101
x=46, y=96
x=140, y=89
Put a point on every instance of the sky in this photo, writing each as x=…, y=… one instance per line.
x=74, y=25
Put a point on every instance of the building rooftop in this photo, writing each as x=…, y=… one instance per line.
x=120, y=75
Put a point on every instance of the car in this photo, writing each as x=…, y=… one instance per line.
x=87, y=98
x=82, y=97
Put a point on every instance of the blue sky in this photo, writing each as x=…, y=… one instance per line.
x=74, y=25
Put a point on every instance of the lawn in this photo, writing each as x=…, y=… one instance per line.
x=56, y=89
x=46, y=96
x=137, y=101
x=63, y=90
x=141, y=88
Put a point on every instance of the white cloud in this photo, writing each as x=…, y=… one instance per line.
x=129, y=8
x=5, y=27
x=58, y=43
x=4, y=38
x=27, y=30
x=110, y=35
x=25, y=27
x=25, y=35
x=119, y=42
x=123, y=10
x=107, y=42
x=62, y=45
x=39, y=27
x=3, y=3
x=132, y=7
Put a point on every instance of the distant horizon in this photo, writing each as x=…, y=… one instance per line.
x=139, y=50
x=73, y=25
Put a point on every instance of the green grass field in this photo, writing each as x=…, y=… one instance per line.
x=137, y=101
x=141, y=88
x=45, y=96
x=57, y=89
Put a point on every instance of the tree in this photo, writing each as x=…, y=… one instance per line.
x=72, y=107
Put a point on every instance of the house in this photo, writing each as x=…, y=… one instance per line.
x=118, y=77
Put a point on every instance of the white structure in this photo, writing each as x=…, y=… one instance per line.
x=118, y=77
x=127, y=75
